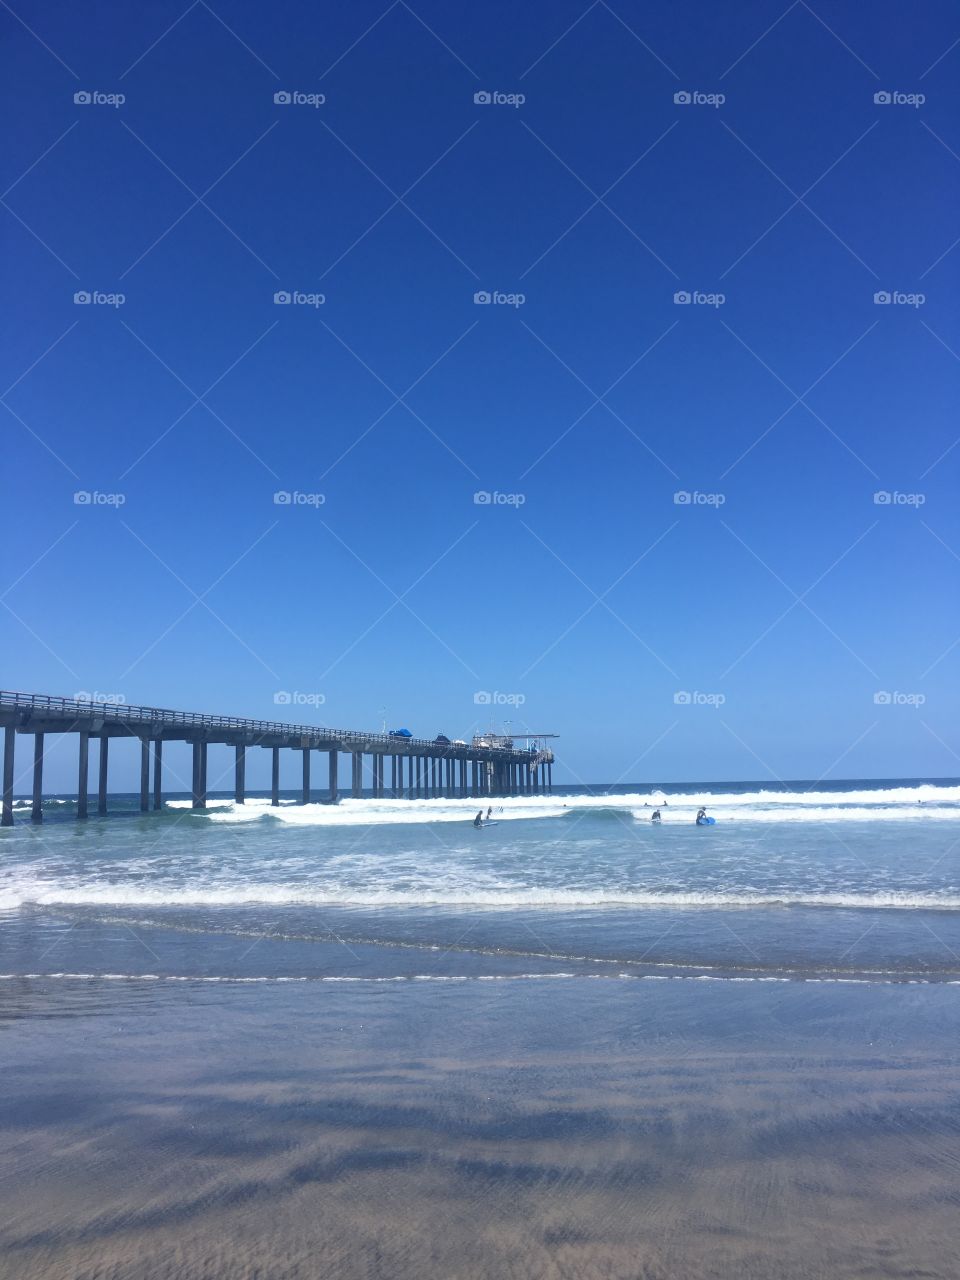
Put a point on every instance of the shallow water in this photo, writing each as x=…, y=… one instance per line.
x=830, y=880
x=371, y=1042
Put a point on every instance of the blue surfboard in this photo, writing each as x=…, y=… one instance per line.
x=706, y=822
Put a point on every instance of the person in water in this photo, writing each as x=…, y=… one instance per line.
x=489, y=811
x=478, y=820
x=655, y=816
x=701, y=817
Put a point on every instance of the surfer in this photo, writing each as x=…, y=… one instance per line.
x=478, y=820
x=701, y=818
x=489, y=812
x=655, y=816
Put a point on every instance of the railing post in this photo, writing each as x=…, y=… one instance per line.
x=102, y=778
x=83, y=766
x=9, y=746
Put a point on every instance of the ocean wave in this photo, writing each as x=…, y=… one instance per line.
x=925, y=802
x=39, y=893
x=279, y=980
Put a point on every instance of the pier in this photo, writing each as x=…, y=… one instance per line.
x=420, y=768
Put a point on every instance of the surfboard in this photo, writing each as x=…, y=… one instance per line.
x=706, y=822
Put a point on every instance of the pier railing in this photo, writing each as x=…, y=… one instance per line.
x=125, y=712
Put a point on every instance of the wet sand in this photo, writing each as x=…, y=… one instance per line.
x=542, y=1128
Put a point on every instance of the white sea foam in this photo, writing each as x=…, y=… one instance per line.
x=479, y=977
x=927, y=802
x=44, y=893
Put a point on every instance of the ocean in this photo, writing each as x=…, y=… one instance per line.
x=369, y=1040
x=850, y=879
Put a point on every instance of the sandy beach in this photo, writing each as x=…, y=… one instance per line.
x=520, y=1127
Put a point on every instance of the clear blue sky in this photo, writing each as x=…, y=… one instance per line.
x=599, y=197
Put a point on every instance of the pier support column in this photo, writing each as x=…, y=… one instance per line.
x=83, y=768
x=357, y=774
x=305, y=793
x=549, y=777
x=463, y=778
x=199, y=775
x=419, y=776
x=9, y=746
x=36, y=813
x=144, y=775
x=334, y=792
x=102, y=778
x=275, y=778
x=240, y=775
x=393, y=776
x=158, y=774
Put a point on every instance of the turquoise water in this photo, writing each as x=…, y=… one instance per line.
x=855, y=880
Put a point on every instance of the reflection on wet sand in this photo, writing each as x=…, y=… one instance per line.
x=623, y=1131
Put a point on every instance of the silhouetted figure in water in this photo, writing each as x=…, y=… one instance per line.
x=478, y=820
x=655, y=816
